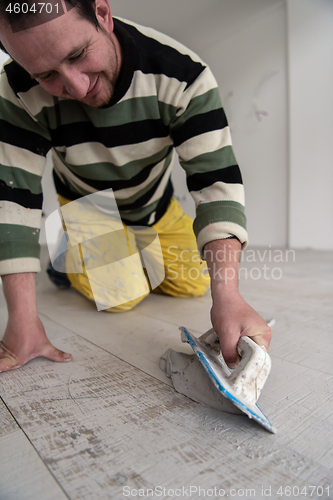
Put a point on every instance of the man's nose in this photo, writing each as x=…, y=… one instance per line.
x=76, y=83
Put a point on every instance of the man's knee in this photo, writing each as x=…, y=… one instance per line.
x=185, y=281
x=127, y=306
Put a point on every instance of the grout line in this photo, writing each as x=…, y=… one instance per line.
x=166, y=321
x=104, y=349
x=39, y=456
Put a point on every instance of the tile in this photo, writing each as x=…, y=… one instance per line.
x=100, y=424
x=23, y=473
x=110, y=419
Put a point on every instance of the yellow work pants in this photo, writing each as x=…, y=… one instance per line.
x=185, y=273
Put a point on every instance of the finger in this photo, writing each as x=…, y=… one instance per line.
x=261, y=336
x=57, y=355
x=7, y=363
x=8, y=360
x=228, y=343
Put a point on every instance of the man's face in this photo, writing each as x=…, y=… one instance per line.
x=69, y=57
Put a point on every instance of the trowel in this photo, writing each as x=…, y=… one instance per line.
x=242, y=386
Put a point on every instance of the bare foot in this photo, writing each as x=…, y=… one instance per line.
x=9, y=360
x=17, y=349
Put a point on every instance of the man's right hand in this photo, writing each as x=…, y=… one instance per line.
x=25, y=336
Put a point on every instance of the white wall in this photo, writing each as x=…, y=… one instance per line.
x=250, y=65
x=310, y=27
x=244, y=43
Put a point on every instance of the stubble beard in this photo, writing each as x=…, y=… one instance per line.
x=110, y=81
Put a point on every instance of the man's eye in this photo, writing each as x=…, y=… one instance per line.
x=78, y=56
x=45, y=77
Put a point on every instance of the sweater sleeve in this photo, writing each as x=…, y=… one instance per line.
x=202, y=139
x=23, y=148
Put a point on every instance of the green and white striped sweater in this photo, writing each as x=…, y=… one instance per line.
x=166, y=98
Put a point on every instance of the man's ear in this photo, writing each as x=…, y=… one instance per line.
x=103, y=14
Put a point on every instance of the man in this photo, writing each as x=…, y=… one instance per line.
x=112, y=100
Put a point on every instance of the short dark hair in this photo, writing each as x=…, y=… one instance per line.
x=21, y=19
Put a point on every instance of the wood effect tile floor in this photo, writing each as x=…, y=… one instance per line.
x=109, y=425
